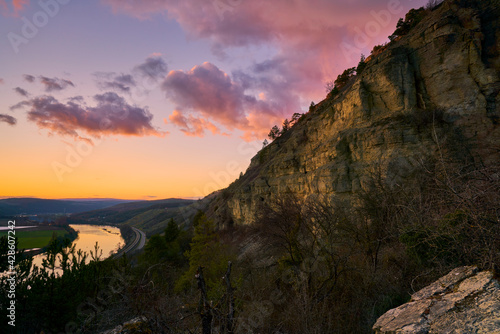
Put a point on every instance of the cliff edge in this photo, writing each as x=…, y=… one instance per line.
x=429, y=93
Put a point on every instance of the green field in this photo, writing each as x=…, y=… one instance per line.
x=34, y=239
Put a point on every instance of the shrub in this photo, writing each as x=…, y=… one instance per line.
x=412, y=18
x=206, y=251
x=361, y=65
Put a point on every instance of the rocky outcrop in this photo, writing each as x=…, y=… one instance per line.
x=464, y=301
x=408, y=101
x=136, y=325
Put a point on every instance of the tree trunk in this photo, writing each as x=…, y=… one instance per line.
x=205, y=308
x=230, y=315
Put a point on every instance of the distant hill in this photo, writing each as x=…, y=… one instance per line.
x=35, y=206
x=149, y=216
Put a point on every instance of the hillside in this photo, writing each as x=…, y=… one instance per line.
x=430, y=94
x=149, y=216
x=33, y=206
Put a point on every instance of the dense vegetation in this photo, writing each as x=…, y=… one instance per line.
x=322, y=265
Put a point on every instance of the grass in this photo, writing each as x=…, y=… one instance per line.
x=34, y=239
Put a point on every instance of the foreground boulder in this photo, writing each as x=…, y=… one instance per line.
x=464, y=301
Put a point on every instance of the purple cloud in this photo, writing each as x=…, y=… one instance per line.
x=21, y=92
x=55, y=84
x=111, y=115
x=30, y=78
x=8, y=119
x=314, y=41
x=122, y=83
x=154, y=67
x=206, y=96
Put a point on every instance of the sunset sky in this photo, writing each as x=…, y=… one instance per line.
x=150, y=99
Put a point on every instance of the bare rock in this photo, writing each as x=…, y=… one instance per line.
x=464, y=301
x=134, y=326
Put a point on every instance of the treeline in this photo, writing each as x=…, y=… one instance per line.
x=66, y=294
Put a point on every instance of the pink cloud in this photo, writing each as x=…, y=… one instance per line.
x=301, y=25
x=314, y=41
x=192, y=126
x=209, y=92
x=111, y=115
x=21, y=91
x=1, y=81
x=17, y=6
x=207, y=89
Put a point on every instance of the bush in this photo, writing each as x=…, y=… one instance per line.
x=361, y=65
x=412, y=18
x=208, y=252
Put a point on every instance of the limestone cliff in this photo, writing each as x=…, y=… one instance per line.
x=438, y=83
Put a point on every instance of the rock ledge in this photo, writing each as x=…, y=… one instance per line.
x=464, y=301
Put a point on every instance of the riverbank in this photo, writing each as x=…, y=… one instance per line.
x=32, y=237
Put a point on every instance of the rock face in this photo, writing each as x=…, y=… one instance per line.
x=443, y=75
x=464, y=301
x=136, y=325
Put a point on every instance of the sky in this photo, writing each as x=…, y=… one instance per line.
x=151, y=99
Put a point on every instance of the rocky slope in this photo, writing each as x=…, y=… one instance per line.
x=464, y=301
x=438, y=84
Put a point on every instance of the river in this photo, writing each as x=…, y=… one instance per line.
x=108, y=238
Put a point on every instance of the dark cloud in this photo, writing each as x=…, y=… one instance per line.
x=21, y=92
x=20, y=105
x=154, y=67
x=125, y=79
x=30, y=78
x=55, y=84
x=141, y=79
x=1, y=81
x=111, y=115
x=122, y=83
x=8, y=119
